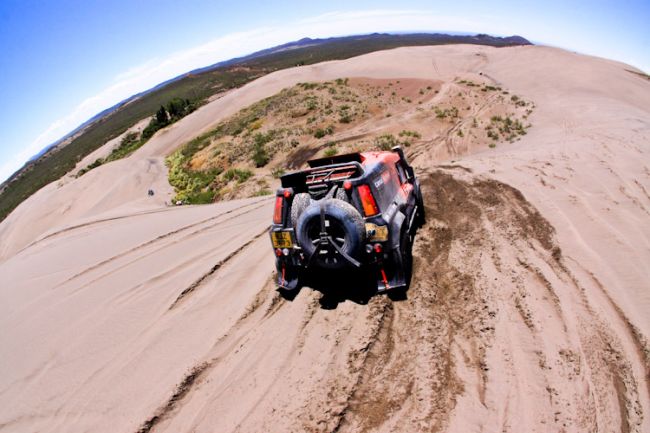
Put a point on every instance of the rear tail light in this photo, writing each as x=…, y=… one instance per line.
x=367, y=201
x=277, y=211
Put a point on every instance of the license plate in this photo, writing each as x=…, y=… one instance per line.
x=379, y=233
x=281, y=239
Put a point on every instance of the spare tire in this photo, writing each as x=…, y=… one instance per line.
x=344, y=225
x=342, y=195
x=300, y=202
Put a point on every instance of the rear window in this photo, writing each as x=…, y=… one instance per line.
x=385, y=185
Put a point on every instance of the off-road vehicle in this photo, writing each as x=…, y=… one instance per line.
x=359, y=211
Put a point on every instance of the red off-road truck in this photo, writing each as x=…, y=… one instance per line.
x=359, y=211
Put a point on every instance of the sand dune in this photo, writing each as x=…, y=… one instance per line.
x=528, y=311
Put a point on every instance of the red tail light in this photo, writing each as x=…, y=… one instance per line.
x=277, y=212
x=367, y=200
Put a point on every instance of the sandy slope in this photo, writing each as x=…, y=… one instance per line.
x=528, y=311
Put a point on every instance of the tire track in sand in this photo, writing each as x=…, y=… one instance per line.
x=231, y=339
x=487, y=276
x=165, y=236
x=192, y=287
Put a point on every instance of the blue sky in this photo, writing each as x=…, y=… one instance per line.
x=64, y=61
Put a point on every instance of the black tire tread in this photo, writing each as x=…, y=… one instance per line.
x=300, y=202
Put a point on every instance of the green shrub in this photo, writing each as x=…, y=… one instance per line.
x=277, y=172
x=447, y=112
x=320, y=132
x=201, y=197
x=190, y=186
x=386, y=142
x=406, y=133
x=260, y=156
x=331, y=151
x=311, y=103
x=308, y=86
x=241, y=175
x=345, y=118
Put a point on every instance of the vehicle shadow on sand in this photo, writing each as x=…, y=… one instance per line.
x=338, y=287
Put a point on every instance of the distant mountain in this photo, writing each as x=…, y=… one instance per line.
x=434, y=38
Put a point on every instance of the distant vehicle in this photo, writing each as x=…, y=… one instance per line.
x=354, y=211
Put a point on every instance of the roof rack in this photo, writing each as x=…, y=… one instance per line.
x=322, y=174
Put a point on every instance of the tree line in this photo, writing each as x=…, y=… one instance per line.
x=175, y=109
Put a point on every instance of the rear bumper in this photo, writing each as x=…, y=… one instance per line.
x=293, y=265
x=291, y=273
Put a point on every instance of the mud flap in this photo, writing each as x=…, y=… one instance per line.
x=389, y=278
x=288, y=277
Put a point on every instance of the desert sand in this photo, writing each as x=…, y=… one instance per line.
x=529, y=309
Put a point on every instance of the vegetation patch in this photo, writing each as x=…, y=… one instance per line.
x=505, y=127
x=446, y=113
x=322, y=132
x=240, y=175
x=331, y=151
x=248, y=151
x=305, y=113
